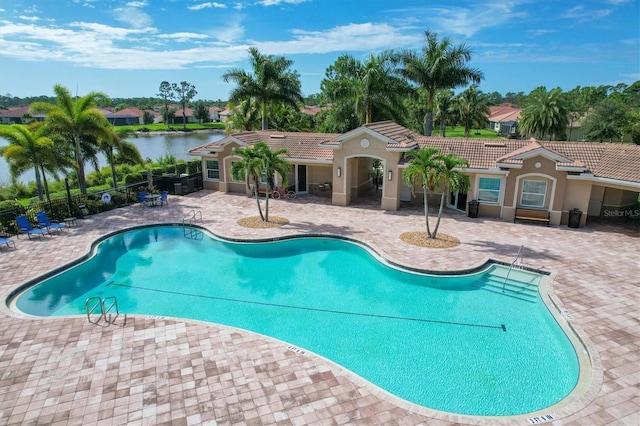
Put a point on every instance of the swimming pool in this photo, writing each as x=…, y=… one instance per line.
x=457, y=343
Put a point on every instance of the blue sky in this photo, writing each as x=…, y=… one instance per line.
x=127, y=48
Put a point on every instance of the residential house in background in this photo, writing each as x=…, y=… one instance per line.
x=551, y=177
x=15, y=115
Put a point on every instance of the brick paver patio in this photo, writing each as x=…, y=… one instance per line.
x=170, y=371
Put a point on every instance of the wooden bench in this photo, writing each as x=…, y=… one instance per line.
x=531, y=214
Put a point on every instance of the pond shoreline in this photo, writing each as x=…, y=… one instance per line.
x=179, y=132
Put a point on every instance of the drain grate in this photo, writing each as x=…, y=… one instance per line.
x=542, y=419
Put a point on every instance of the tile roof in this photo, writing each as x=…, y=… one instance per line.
x=300, y=145
x=613, y=161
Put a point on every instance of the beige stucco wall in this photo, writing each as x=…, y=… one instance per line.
x=353, y=159
x=576, y=196
x=542, y=169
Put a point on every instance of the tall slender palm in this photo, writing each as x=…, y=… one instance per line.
x=369, y=90
x=250, y=168
x=423, y=170
x=273, y=162
x=545, y=113
x=451, y=180
x=271, y=82
x=28, y=147
x=443, y=109
x=126, y=150
x=76, y=120
x=472, y=108
x=441, y=65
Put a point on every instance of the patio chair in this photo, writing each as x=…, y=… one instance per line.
x=141, y=198
x=7, y=241
x=43, y=220
x=164, y=198
x=24, y=226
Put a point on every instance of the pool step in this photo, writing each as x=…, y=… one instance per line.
x=520, y=284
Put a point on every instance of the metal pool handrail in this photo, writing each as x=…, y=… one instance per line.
x=518, y=256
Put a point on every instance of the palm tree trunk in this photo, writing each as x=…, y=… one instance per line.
x=435, y=230
x=114, y=176
x=443, y=128
x=81, y=180
x=265, y=123
x=38, y=182
x=256, y=191
x=266, y=206
x=428, y=123
x=426, y=211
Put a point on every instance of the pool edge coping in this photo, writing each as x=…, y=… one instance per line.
x=588, y=386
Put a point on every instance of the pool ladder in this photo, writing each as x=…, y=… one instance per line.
x=104, y=308
x=518, y=256
x=188, y=221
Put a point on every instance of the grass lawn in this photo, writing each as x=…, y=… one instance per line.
x=458, y=132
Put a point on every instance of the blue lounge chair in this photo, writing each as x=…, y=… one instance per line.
x=25, y=227
x=7, y=241
x=43, y=220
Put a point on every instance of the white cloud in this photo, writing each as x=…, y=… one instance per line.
x=278, y=2
x=29, y=18
x=353, y=37
x=142, y=3
x=580, y=14
x=468, y=21
x=183, y=37
x=207, y=5
x=132, y=16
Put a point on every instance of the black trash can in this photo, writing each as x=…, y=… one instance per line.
x=177, y=188
x=474, y=205
x=574, y=218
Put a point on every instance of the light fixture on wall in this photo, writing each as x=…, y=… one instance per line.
x=390, y=174
x=339, y=171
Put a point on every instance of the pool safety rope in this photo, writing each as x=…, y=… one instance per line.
x=331, y=311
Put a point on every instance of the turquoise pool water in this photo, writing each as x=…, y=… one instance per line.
x=452, y=343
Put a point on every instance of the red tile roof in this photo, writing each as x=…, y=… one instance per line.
x=613, y=161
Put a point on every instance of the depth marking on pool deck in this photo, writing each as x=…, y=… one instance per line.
x=500, y=327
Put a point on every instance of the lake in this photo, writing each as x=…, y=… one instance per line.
x=150, y=146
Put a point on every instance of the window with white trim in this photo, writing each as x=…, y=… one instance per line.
x=489, y=190
x=534, y=193
x=213, y=169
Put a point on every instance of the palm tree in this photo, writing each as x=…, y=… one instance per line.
x=545, y=113
x=452, y=180
x=472, y=108
x=250, y=168
x=271, y=82
x=126, y=150
x=443, y=109
x=77, y=121
x=272, y=163
x=244, y=116
x=423, y=170
x=369, y=91
x=28, y=147
x=257, y=161
x=440, y=66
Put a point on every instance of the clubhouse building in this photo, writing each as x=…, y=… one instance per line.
x=547, y=180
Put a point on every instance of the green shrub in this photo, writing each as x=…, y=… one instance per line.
x=181, y=167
